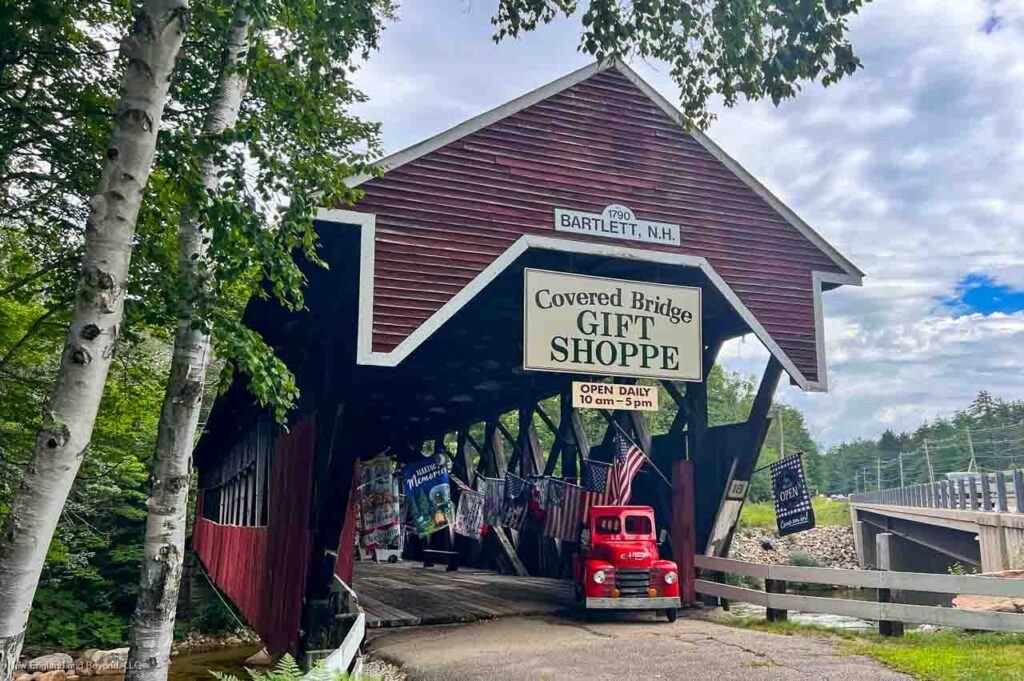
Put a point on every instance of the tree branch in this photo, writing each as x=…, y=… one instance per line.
x=28, y=334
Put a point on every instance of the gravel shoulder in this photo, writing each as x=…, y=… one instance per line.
x=634, y=646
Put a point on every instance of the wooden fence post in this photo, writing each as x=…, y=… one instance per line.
x=884, y=547
x=888, y=627
x=775, y=586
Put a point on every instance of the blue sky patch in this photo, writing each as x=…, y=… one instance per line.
x=982, y=293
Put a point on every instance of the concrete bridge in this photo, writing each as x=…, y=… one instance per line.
x=972, y=520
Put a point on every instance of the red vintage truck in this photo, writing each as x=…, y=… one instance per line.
x=619, y=569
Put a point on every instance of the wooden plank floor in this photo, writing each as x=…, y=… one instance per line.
x=407, y=594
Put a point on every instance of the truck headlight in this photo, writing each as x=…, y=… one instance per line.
x=599, y=576
x=671, y=577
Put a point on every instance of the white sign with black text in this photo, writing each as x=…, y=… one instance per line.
x=614, y=396
x=617, y=222
x=597, y=326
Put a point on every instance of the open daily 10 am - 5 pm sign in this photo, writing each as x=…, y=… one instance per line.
x=610, y=327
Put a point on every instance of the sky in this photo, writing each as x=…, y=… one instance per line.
x=913, y=169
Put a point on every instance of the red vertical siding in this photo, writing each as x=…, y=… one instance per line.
x=442, y=218
x=344, y=564
x=262, y=570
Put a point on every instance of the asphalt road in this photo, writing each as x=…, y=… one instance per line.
x=636, y=646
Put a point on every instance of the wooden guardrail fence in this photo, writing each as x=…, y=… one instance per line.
x=888, y=614
x=1001, y=491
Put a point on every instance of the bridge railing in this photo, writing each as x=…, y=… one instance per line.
x=889, y=614
x=1002, y=492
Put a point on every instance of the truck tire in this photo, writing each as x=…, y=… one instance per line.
x=671, y=614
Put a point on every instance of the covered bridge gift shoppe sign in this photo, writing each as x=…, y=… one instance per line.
x=610, y=327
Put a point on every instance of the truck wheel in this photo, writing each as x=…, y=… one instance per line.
x=671, y=614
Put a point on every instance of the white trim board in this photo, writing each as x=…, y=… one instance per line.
x=409, y=154
x=366, y=355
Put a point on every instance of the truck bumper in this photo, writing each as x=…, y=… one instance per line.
x=636, y=603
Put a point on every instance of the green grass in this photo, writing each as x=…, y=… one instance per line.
x=949, y=655
x=952, y=655
x=826, y=512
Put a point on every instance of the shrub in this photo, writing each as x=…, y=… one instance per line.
x=802, y=559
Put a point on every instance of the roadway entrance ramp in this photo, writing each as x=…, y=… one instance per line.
x=408, y=594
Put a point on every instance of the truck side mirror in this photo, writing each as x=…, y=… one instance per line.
x=662, y=536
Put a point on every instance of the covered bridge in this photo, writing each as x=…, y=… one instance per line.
x=416, y=332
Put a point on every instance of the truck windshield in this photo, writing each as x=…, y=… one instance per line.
x=608, y=524
x=612, y=524
x=638, y=524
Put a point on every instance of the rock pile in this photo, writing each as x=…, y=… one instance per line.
x=62, y=667
x=831, y=545
x=93, y=662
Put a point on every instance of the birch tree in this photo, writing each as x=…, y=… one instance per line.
x=152, y=630
x=150, y=51
x=251, y=203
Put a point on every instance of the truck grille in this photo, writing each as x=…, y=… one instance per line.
x=632, y=581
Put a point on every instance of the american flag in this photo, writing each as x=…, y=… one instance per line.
x=628, y=460
x=517, y=495
x=597, y=488
x=564, y=504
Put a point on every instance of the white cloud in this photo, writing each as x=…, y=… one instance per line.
x=911, y=168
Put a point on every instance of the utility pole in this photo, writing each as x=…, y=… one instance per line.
x=900, y=454
x=878, y=468
x=928, y=460
x=970, y=446
x=782, y=431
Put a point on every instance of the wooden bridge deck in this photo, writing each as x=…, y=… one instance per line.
x=407, y=594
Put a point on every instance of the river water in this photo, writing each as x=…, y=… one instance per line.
x=197, y=666
x=839, y=621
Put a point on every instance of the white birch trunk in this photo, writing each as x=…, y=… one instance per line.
x=153, y=623
x=70, y=412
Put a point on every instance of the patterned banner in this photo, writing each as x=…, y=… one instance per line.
x=539, y=498
x=494, y=498
x=563, y=511
x=379, y=522
x=518, y=493
x=469, y=519
x=793, y=512
x=428, y=495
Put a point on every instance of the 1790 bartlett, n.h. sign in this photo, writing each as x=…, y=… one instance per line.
x=610, y=327
x=616, y=222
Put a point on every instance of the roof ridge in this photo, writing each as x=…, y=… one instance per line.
x=852, y=274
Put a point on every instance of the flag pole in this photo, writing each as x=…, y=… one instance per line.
x=610, y=419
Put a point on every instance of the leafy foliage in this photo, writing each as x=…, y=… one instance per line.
x=991, y=427
x=87, y=587
x=754, y=50
x=287, y=669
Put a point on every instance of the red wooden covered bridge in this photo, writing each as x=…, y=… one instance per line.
x=413, y=339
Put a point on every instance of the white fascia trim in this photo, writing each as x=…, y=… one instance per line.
x=482, y=121
x=367, y=224
x=365, y=354
x=818, y=279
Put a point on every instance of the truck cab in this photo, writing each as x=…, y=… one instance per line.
x=618, y=568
